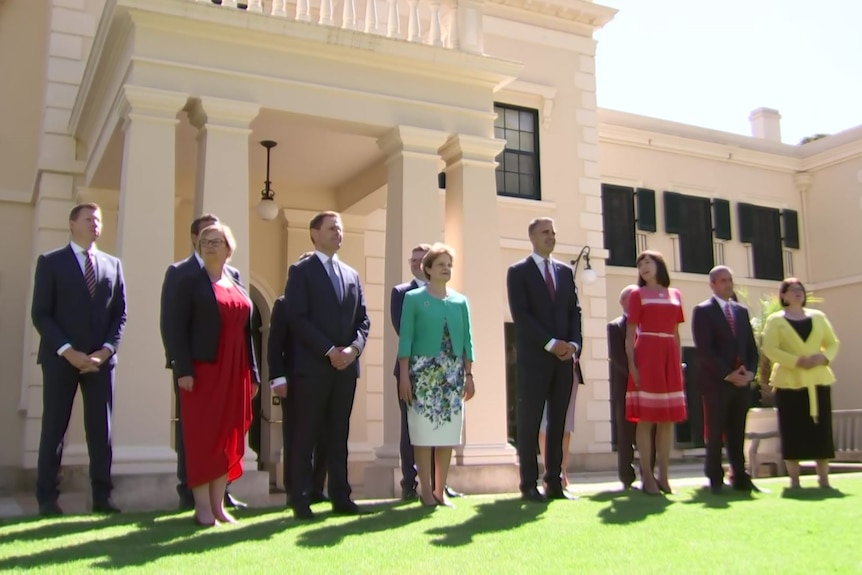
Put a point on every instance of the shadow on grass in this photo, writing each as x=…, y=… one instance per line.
x=812, y=494
x=380, y=517
x=629, y=506
x=494, y=516
x=150, y=537
x=705, y=497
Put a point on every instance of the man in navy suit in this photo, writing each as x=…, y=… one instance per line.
x=79, y=310
x=547, y=317
x=329, y=323
x=173, y=277
x=727, y=358
x=280, y=361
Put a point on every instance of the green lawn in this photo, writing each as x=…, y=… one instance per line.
x=812, y=531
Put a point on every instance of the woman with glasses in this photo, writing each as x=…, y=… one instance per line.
x=216, y=373
x=801, y=344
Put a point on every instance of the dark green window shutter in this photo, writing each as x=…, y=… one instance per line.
x=646, y=210
x=747, y=230
x=672, y=212
x=721, y=219
x=790, y=221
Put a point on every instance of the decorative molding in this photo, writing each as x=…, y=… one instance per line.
x=298, y=219
x=542, y=206
x=578, y=16
x=208, y=110
x=544, y=92
x=837, y=283
x=514, y=28
x=474, y=149
x=409, y=139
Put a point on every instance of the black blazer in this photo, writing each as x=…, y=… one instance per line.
x=717, y=348
x=617, y=358
x=196, y=325
x=63, y=311
x=537, y=318
x=279, y=345
x=318, y=321
x=396, y=304
x=175, y=272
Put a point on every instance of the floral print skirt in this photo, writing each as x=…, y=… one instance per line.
x=436, y=416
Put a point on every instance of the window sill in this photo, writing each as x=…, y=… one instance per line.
x=530, y=203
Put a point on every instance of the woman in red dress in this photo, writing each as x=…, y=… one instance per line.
x=217, y=375
x=656, y=393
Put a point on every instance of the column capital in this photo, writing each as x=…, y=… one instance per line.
x=221, y=112
x=299, y=219
x=148, y=102
x=463, y=147
x=107, y=199
x=802, y=181
x=403, y=139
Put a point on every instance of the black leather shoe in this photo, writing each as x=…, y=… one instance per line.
x=187, y=502
x=533, y=495
x=303, y=512
x=105, y=506
x=50, y=509
x=452, y=493
x=231, y=501
x=560, y=493
x=716, y=488
x=409, y=494
x=346, y=508
x=318, y=497
x=749, y=486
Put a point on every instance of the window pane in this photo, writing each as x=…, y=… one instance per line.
x=526, y=142
x=512, y=122
x=498, y=121
x=511, y=161
x=500, y=181
x=511, y=183
x=499, y=132
x=527, y=122
x=512, y=140
x=527, y=186
x=525, y=165
x=501, y=163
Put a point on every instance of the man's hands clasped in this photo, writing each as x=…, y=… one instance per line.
x=87, y=363
x=564, y=350
x=342, y=357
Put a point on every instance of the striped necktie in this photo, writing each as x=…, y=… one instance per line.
x=90, y=274
x=729, y=315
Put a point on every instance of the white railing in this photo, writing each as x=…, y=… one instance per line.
x=847, y=434
x=453, y=24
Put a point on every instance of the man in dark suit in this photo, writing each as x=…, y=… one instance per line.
x=547, y=316
x=79, y=310
x=174, y=275
x=619, y=368
x=280, y=360
x=727, y=359
x=329, y=324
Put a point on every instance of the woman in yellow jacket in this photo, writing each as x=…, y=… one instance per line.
x=435, y=359
x=801, y=344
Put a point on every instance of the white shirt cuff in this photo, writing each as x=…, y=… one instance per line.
x=277, y=382
x=550, y=344
x=112, y=349
x=63, y=349
x=328, y=351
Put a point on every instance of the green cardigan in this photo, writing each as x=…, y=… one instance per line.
x=422, y=317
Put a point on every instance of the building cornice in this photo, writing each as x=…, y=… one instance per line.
x=576, y=16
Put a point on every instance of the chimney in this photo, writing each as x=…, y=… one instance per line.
x=766, y=124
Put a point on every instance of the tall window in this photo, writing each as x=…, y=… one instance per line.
x=761, y=228
x=690, y=219
x=618, y=224
x=518, y=163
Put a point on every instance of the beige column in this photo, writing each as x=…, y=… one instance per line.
x=145, y=244
x=222, y=183
x=413, y=216
x=471, y=198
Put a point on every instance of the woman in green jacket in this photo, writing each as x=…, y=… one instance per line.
x=435, y=358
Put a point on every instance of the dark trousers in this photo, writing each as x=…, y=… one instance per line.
x=726, y=407
x=533, y=392
x=182, y=487
x=626, y=432
x=59, y=385
x=322, y=402
x=288, y=432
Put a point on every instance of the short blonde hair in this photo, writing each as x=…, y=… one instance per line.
x=435, y=252
x=224, y=231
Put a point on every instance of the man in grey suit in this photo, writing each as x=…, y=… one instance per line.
x=79, y=310
x=173, y=276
